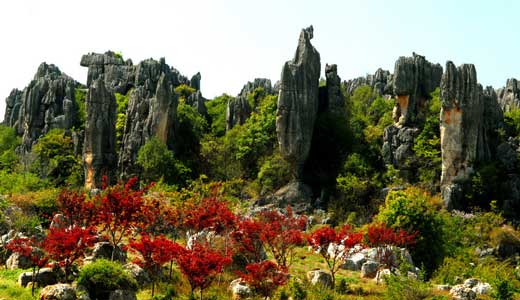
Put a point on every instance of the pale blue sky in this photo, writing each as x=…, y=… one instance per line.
x=231, y=42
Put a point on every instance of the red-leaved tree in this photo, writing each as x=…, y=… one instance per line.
x=153, y=253
x=264, y=277
x=335, y=245
x=210, y=213
x=246, y=240
x=385, y=239
x=32, y=249
x=282, y=233
x=67, y=245
x=120, y=210
x=200, y=265
x=76, y=209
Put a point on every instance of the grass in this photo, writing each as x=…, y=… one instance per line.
x=9, y=288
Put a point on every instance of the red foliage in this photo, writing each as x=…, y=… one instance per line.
x=383, y=238
x=120, y=210
x=282, y=233
x=246, y=239
x=65, y=246
x=157, y=216
x=30, y=248
x=210, y=213
x=76, y=209
x=154, y=252
x=264, y=277
x=343, y=240
x=200, y=264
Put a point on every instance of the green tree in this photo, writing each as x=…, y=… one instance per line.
x=54, y=156
x=217, y=112
x=158, y=162
x=8, y=143
x=122, y=106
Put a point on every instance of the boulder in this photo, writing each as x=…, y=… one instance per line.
x=58, y=292
x=298, y=103
x=509, y=96
x=45, y=277
x=369, y=269
x=122, y=295
x=104, y=250
x=354, y=262
x=16, y=261
x=138, y=273
x=462, y=292
x=320, y=277
x=239, y=289
x=99, y=148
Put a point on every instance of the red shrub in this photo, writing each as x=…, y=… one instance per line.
x=264, y=277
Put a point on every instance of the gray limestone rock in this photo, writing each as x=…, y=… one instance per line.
x=469, y=120
x=99, y=149
x=47, y=102
x=380, y=82
x=298, y=103
x=509, y=96
x=335, y=99
x=195, y=81
x=239, y=109
x=117, y=74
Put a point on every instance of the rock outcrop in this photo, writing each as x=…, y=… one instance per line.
x=99, y=149
x=118, y=75
x=298, y=104
x=335, y=99
x=152, y=111
x=380, y=81
x=239, y=109
x=47, y=102
x=509, y=96
x=414, y=80
x=469, y=119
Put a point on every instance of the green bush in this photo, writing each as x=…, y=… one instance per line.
x=400, y=287
x=297, y=290
x=217, y=113
x=122, y=105
x=8, y=143
x=159, y=163
x=79, y=97
x=414, y=211
x=273, y=174
x=103, y=276
x=17, y=183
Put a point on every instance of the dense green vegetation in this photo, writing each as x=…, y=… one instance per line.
x=243, y=165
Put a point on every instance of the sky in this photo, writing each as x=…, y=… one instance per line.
x=234, y=41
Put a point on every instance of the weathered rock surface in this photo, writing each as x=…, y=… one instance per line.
x=298, y=103
x=240, y=290
x=413, y=81
x=99, y=151
x=152, y=112
x=58, y=291
x=45, y=277
x=195, y=81
x=469, y=119
x=46, y=103
x=16, y=261
x=118, y=75
x=335, y=99
x=509, y=96
x=320, y=277
x=139, y=274
x=239, y=109
x=104, y=250
x=369, y=269
x=122, y=295
x=380, y=82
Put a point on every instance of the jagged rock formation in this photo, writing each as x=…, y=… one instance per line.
x=469, y=119
x=238, y=109
x=298, y=103
x=413, y=81
x=46, y=103
x=380, y=81
x=99, y=152
x=195, y=81
x=335, y=99
x=152, y=111
x=12, y=108
x=509, y=96
x=118, y=75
